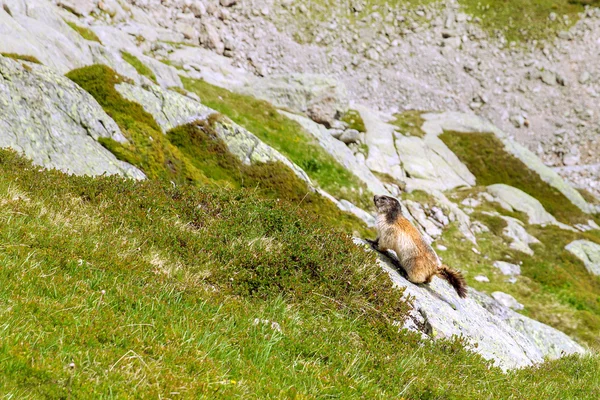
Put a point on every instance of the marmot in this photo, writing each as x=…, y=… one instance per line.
x=416, y=257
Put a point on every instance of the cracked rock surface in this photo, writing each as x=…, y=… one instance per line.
x=56, y=123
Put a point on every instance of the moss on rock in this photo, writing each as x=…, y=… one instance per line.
x=85, y=33
x=139, y=66
x=21, y=57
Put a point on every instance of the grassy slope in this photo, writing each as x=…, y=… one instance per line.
x=119, y=289
x=285, y=135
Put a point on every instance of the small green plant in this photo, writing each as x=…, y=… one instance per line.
x=139, y=66
x=354, y=120
x=85, y=33
x=21, y=57
x=410, y=123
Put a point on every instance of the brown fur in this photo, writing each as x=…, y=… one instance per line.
x=416, y=256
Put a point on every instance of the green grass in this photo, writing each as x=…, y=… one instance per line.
x=139, y=66
x=486, y=158
x=589, y=197
x=285, y=135
x=354, y=120
x=111, y=288
x=410, y=123
x=21, y=57
x=85, y=33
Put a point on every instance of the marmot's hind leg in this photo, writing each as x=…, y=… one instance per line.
x=419, y=272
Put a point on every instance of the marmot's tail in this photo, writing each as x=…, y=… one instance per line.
x=454, y=278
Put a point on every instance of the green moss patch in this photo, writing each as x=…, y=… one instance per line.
x=148, y=148
x=410, y=123
x=139, y=66
x=285, y=135
x=21, y=57
x=85, y=33
x=354, y=120
x=485, y=157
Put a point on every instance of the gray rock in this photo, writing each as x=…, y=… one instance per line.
x=584, y=77
x=417, y=212
x=382, y=157
x=507, y=268
x=166, y=76
x=507, y=300
x=320, y=96
x=430, y=163
x=523, y=202
x=336, y=133
x=197, y=8
x=588, y=252
x=82, y=8
x=350, y=136
x=228, y=3
x=323, y=110
x=43, y=34
x=516, y=232
x=56, y=123
x=548, y=77
x=482, y=278
x=517, y=120
x=340, y=152
x=497, y=333
x=210, y=37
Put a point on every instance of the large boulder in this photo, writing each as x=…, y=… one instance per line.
x=496, y=332
x=340, y=152
x=382, y=157
x=56, y=123
x=588, y=252
x=521, y=201
x=320, y=97
x=38, y=31
x=430, y=166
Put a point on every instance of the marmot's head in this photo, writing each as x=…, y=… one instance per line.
x=387, y=205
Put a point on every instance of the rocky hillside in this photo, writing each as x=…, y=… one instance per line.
x=291, y=117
